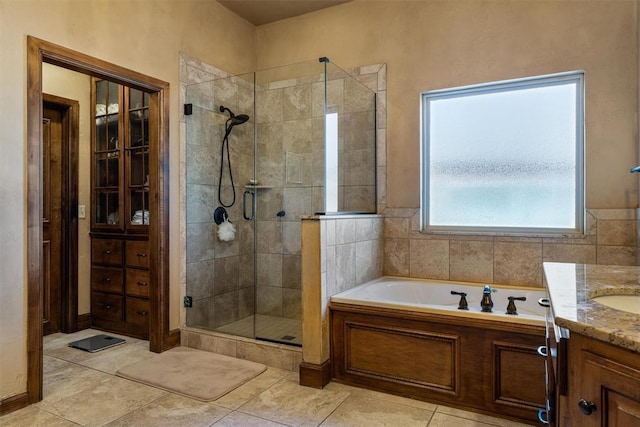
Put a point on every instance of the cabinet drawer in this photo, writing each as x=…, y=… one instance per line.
x=106, y=251
x=106, y=306
x=138, y=282
x=137, y=253
x=138, y=311
x=106, y=279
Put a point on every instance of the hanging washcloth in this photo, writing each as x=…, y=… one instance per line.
x=226, y=230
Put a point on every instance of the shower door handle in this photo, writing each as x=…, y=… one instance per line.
x=244, y=205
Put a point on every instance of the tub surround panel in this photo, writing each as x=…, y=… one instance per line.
x=611, y=238
x=370, y=354
x=475, y=364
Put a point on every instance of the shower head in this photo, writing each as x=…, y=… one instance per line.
x=234, y=120
x=238, y=120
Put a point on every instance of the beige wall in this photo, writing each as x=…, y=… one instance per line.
x=425, y=44
x=145, y=36
x=72, y=85
x=438, y=44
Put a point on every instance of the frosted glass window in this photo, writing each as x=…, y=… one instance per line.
x=505, y=157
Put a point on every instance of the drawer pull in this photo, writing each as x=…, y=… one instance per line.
x=143, y=255
x=107, y=252
x=542, y=351
x=142, y=313
x=107, y=306
x=142, y=284
x=586, y=407
x=107, y=279
x=544, y=302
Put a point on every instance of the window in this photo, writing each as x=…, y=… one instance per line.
x=505, y=157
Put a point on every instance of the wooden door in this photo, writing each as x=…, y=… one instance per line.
x=52, y=141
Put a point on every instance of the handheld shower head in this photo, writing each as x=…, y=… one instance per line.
x=234, y=120
x=239, y=119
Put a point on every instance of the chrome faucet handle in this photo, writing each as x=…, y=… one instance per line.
x=511, y=307
x=462, y=305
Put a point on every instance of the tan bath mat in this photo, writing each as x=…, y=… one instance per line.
x=193, y=373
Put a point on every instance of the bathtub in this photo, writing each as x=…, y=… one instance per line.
x=407, y=337
x=434, y=296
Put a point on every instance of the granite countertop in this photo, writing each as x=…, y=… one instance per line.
x=571, y=288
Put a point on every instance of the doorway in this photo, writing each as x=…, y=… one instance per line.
x=160, y=337
x=60, y=122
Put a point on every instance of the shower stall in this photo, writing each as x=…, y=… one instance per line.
x=264, y=149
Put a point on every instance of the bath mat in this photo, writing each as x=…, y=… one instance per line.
x=96, y=343
x=197, y=374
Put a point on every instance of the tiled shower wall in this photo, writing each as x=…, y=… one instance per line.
x=219, y=274
x=290, y=169
x=290, y=144
x=611, y=238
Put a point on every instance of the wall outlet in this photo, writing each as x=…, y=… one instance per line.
x=188, y=302
x=81, y=211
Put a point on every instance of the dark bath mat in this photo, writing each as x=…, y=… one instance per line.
x=96, y=343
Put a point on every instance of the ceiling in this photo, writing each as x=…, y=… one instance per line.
x=260, y=12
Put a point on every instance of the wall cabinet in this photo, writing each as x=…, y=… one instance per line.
x=604, y=384
x=120, y=142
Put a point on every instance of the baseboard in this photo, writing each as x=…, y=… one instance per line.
x=316, y=376
x=173, y=339
x=14, y=403
x=84, y=321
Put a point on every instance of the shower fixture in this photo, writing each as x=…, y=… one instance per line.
x=232, y=121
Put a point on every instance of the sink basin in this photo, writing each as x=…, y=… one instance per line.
x=628, y=303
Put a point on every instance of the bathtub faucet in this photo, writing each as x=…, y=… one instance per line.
x=462, y=305
x=487, y=303
x=511, y=307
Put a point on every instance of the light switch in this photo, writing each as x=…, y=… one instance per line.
x=81, y=211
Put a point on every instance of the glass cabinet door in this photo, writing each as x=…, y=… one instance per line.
x=106, y=153
x=138, y=157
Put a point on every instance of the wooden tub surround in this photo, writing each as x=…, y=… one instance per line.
x=488, y=366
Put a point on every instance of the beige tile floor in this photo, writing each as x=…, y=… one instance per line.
x=81, y=389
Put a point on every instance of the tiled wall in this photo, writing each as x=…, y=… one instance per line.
x=218, y=275
x=611, y=238
x=339, y=253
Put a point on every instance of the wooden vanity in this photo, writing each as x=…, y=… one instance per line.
x=593, y=351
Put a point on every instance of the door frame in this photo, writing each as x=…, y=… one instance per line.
x=160, y=337
x=69, y=213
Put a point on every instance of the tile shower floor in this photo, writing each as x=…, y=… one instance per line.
x=273, y=328
x=81, y=389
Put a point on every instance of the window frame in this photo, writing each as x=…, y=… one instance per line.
x=576, y=77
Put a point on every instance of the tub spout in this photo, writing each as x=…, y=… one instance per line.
x=487, y=303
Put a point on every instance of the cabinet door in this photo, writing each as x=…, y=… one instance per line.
x=107, y=170
x=137, y=176
x=610, y=393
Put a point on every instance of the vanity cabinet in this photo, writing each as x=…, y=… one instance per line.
x=604, y=384
x=121, y=140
